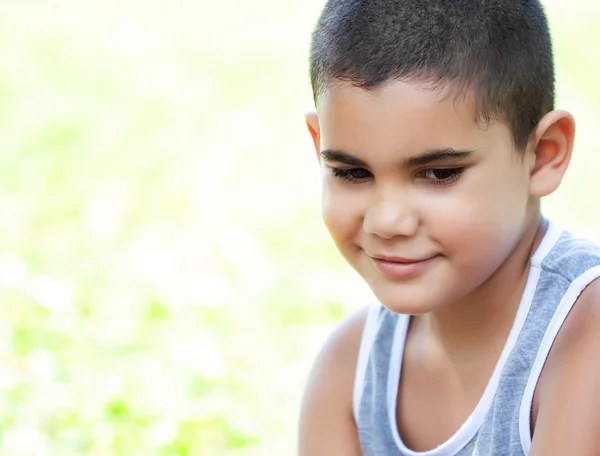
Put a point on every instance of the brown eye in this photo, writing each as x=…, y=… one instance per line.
x=351, y=174
x=442, y=176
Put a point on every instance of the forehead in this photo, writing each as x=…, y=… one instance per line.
x=404, y=117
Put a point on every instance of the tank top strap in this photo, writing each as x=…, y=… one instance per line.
x=370, y=330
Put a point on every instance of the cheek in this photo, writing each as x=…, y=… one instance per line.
x=496, y=191
x=481, y=220
x=342, y=214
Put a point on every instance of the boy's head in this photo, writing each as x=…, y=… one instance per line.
x=437, y=137
x=500, y=50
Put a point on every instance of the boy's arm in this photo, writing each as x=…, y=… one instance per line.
x=568, y=419
x=327, y=425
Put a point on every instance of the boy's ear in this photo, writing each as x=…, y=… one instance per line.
x=312, y=122
x=552, y=149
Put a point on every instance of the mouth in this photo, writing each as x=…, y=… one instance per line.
x=398, y=259
x=397, y=268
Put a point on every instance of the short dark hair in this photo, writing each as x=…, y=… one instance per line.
x=499, y=49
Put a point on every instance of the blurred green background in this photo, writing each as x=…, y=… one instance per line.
x=165, y=278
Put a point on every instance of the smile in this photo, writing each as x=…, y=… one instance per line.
x=401, y=268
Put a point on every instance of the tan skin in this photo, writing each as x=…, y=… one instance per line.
x=453, y=344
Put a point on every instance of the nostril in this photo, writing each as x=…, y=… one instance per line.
x=388, y=220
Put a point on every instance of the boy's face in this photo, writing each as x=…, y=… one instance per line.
x=421, y=199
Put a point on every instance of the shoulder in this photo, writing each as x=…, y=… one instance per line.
x=568, y=405
x=579, y=336
x=326, y=422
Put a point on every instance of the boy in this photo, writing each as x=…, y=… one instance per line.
x=437, y=137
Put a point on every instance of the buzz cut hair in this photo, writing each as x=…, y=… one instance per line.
x=499, y=50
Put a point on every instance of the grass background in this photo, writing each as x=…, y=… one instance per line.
x=165, y=278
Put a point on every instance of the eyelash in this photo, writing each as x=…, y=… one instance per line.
x=455, y=174
x=350, y=175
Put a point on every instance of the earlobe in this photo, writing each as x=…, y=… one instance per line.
x=553, y=146
x=312, y=122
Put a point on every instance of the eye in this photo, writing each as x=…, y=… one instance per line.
x=441, y=176
x=351, y=174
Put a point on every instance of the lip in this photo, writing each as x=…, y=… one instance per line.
x=397, y=259
x=399, y=267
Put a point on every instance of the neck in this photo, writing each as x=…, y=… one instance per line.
x=486, y=315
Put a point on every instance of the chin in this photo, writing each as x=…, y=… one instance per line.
x=406, y=302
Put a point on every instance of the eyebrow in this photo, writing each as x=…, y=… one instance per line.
x=333, y=155
x=438, y=155
x=431, y=156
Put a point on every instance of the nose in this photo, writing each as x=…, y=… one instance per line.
x=391, y=217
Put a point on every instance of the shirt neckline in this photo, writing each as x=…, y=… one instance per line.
x=470, y=427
